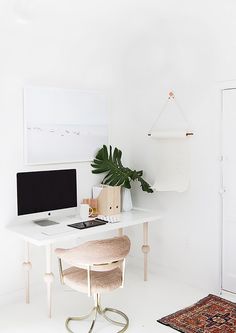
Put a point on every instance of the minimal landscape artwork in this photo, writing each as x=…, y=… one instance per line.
x=63, y=125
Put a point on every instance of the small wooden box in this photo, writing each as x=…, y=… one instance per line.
x=109, y=200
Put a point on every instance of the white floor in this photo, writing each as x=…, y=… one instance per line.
x=143, y=302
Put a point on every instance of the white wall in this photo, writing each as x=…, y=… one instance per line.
x=136, y=51
x=179, y=48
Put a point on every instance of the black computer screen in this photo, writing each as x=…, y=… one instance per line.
x=42, y=191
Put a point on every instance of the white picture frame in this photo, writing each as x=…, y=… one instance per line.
x=63, y=125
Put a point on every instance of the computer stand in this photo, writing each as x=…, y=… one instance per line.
x=45, y=222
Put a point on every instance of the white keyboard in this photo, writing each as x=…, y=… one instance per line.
x=55, y=230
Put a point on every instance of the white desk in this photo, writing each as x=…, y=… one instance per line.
x=34, y=234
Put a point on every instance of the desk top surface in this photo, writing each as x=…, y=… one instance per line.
x=38, y=235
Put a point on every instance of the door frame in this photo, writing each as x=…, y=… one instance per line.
x=222, y=86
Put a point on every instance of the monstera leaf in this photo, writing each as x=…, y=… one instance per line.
x=116, y=174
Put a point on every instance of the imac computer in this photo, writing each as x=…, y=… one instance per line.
x=41, y=194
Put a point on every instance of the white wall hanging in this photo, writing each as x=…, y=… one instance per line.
x=171, y=132
x=63, y=125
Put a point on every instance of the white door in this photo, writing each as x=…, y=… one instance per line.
x=229, y=195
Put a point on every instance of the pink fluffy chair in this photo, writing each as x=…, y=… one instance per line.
x=96, y=267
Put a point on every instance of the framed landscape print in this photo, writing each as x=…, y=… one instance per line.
x=63, y=125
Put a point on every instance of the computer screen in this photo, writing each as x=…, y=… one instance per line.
x=45, y=191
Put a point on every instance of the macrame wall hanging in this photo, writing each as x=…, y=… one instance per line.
x=171, y=149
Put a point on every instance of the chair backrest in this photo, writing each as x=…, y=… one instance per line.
x=96, y=252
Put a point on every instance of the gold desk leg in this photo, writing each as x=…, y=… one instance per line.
x=49, y=278
x=27, y=266
x=120, y=232
x=145, y=249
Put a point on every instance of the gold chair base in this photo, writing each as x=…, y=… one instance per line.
x=103, y=312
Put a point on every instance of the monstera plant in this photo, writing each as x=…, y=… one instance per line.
x=109, y=162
